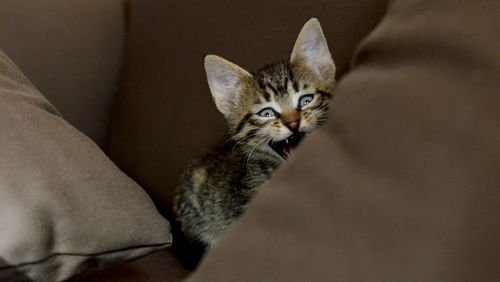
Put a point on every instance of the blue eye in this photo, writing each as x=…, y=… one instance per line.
x=305, y=100
x=267, y=112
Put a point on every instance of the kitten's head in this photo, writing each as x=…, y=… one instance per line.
x=269, y=111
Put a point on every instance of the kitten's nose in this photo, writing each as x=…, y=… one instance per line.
x=294, y=125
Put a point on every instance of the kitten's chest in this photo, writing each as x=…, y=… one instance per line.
x=256, y=174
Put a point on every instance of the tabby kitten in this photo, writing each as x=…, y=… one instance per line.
x=268, y=112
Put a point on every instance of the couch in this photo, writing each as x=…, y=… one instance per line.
x=397, y=188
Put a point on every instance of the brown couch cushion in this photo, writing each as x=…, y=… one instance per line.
x=402, y=185
x=72, y=51
x=161, y=266
x=165, y=115
x=65, y=208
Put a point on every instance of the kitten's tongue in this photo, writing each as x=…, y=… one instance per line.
x=288, y=150
x=286, y=147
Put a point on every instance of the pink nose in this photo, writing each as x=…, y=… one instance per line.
x=294, y=125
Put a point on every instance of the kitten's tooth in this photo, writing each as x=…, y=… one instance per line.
x=286, y=140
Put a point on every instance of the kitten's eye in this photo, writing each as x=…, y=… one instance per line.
x=267, y=112
x=305, y=100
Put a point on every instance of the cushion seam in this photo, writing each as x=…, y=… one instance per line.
x=81, y=254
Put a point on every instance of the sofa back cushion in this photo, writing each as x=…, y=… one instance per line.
x=72, y=51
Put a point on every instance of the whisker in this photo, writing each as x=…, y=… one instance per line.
x=253, y=150
x=229, y=139
x=244, y=139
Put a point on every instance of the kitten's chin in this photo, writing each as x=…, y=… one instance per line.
x=285, y=148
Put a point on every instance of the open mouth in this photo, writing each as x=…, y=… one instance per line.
x=285, y=147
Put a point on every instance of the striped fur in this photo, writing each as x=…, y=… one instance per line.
x=215, y=189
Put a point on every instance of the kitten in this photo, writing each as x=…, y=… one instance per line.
x=268, y=113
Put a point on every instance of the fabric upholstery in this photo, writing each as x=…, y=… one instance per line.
x=402, y=185
x=160, y=266
x=65, y=208
x=72, y=51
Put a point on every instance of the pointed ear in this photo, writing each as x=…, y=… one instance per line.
x=224, y=80
x=311, y=50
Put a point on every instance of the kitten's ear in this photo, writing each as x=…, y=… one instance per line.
x=312, y=51
x=224, y=80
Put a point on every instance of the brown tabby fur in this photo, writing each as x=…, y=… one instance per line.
x=216, y=189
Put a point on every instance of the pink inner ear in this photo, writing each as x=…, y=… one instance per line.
x=311, y=46
x=317, y=56
x=225, y=87
x=224, y=105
